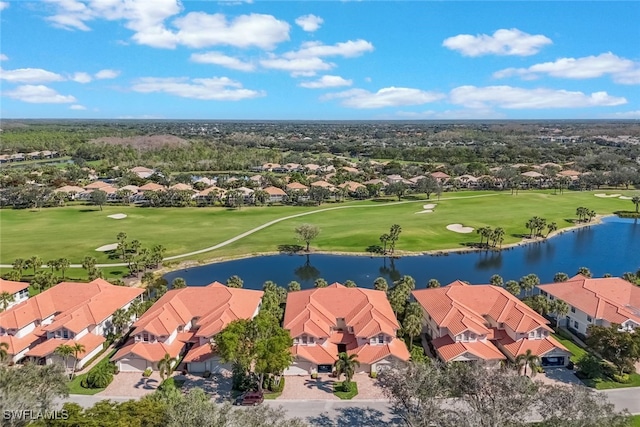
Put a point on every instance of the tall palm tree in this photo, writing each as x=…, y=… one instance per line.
x=433, y=283
x=65, y=351
x=293, y=286
x=560, y=277
x=584, y=271
x=64, y=264
x=77, y=349
x=412, y=326
x=384, y=239
x=135, y=308
x=560, y=309
x=497, y=236
x=178, y=283
x=380, y=284
x=320, y=283
x=34, y=262
x=513, y=287
x=496, y=280
x=235, y=282
x=551, y=227
x=166, y=365
x=19, y=265
x=350, y=284
x=636, y=201
x=120, y=320
x=529, y=282
x=346, y=364
x=528, y=359
x=122, y=243
x=4, y=351
x=5, y=299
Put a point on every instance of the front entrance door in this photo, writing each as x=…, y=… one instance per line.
x=324, y=369
x=342, y=348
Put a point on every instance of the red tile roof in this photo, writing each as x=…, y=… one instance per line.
x=89, y=341
x=199, y=353
x=449, y=350
x=151, y=186
x=152, y=352
x=274, y=191
x=539, y=347
x=296, y=186
x=16, y=345
x=612, y=299
x=11, y=286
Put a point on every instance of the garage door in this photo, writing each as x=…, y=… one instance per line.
x=552, y=361
x=196, y=367
x=132, y=365
x=297, y=369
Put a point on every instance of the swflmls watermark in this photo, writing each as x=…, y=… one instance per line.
x=30, y=415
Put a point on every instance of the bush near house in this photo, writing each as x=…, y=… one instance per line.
x=345, y=390
x=79, y=384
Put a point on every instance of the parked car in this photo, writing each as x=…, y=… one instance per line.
x=251, y=398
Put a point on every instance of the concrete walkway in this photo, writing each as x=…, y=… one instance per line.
x=104, y=354
x=270, y=223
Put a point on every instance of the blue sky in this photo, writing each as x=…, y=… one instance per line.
x=319, y=60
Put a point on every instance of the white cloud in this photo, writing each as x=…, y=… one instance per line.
x=518, y=98
x=198, y=30
x=30, y=75
x=624, y=115
x=502, y=42
x=3, y=57
x=223, y=60
x=348, y=49
x=107, y=74
x=622, y=70
x=77, y=107
x=4, y=5
x=297, y=66
x=309, y=22
x=39, y=94
x=81, y=77
x=385, y=97
x=216, y=88
x=326, y=82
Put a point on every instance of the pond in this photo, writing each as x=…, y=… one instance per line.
x=611, y=247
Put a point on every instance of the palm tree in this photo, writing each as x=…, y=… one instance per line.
x=551, y=227
x=584, y=271
x=529, y=282
x=34, y=262
x=235, y=282
x=166, y=365
x=560, y=308
x=5, y=299
x=4, y=351
x=346, y=364
x=65, y=351
x=320, y=283
x=636, y=201
x=513, y=287
x=135, y=246
x=120, y=320
x=135, y=309
x=77, y=349
x=412, y=326
x=64, y=264
x=380, y=284
x=560, y=277
x=482, y=231
x=384, y=239
x=178, y=283
x=350, y=284
x=19, y=265
x=498, y=236
x=528, y=359
x=531, y=225
x=122, y=243
x=293, y=286
x=496, y=280
x=433, y=283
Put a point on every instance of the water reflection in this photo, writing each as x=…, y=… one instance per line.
x=489, y=260
x=307, y=273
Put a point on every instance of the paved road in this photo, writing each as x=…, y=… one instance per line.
x=270, y=223
x=374, y=413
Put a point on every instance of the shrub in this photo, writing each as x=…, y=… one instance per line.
x=314, y=375
x=147, y=372
x=277, y=386
x=622, y=379
x=346, y=386
x=590, y=366
x=539, y=370
x=100, y=377
x=206, y=374
x=373, y=374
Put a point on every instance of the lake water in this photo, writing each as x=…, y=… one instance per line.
x=611, y=247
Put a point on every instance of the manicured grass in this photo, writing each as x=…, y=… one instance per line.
x=75, y=385
x=635, y=421
x=83, y=228
x=345, y=395
x=577, y=352
x=607, y=383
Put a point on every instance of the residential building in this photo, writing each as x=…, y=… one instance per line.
x=600, y=302
x=142, y=172
x=484, y=322
x=276, y=195
x=18, y=290
x=184, y=322
x=326, y=321
x=67, y=313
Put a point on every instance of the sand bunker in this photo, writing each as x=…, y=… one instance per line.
x=606, y=195
x=427, y=208
x=117, y=216
x=625, y=197
x=105, y=248
x=459, y=228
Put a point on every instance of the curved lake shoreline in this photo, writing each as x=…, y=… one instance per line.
x=472, y=264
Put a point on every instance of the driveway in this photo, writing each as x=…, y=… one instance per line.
x=131, y=384
x=306, y=388
x=368, y=388
x=218, y=386
x=558, y=376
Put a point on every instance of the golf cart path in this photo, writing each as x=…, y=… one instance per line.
x=270, y=223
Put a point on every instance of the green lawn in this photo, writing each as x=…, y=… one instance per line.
x=635, y=421
x=345, y=395
x=577, y=352
x=76, y=231
x=607, y=383
x=75, y=385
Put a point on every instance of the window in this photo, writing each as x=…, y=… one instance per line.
x=311, y=340
x=145, y=337
x=543, y=293
x=304, y=339
x=573, y=309
x=576, y=324
x=2, y=331
x=551, y=297
x=295, y=341
x=380, y=339
x=589, y=319
x=532, y=335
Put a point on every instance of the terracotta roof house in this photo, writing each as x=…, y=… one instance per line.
x=485, y=322
x=570, y=173
x=152, y=186
x=69, y=189
x=142, y=172
x=291, y=167
x=323, y=184
x=312, y=167
x=210, y=192
x=270, y=166
x=296, y=186
x=133, y=188
x=326, y=321
x=352, y=186
x=392, y=179
x=181, y=187
x=97, y=185
x=18, y=290
x=184, y=321
x=376, y=181
x=440, y=176
x=67, y=313
x=601, y=302
x=276, y=195
x=532, y=174
x=207, y=181
x=351, y=170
